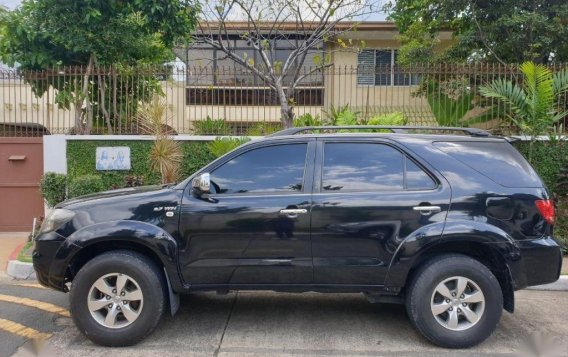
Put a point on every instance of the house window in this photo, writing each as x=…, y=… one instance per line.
x=215, y=79
x=378, y=68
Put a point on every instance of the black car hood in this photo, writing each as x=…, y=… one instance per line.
x=111, y=194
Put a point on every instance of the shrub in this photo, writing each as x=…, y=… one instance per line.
x=133, y=181
x=395, y=119
x=209, y=126
x=221, y=146
x=52, y=187
x=342, y=116
x=262, y=129
x=308, y=119
x=195, y=156
x=85, y=185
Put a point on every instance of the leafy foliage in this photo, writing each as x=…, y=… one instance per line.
x=52, y=187
x=394, y=119
x=209, y=126
x=308, y=119
x=128, y=32
x=531, y=106
x=90, y=33
x=262, y=129
x=221, y=146
x=85, y=185
x=448, y=109
x=342, y=115
x=508, y=31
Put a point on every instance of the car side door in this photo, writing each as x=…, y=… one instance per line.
x=369, y=196
x=254, y=226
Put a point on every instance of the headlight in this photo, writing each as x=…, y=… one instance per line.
x=56, y=219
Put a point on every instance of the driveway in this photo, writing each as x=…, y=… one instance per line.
x=268, y=324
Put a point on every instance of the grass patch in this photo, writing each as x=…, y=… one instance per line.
x=25, y=255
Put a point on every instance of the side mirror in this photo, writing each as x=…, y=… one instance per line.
x=202, y=183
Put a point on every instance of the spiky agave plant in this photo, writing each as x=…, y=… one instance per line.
x=166, y=155
x=165, y=158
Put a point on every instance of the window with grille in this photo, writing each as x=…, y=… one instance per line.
x=377, y=67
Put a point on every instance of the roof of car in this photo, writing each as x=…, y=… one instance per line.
x=398, y=133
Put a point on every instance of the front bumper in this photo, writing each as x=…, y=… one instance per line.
x=540, y=263
x=50, y=260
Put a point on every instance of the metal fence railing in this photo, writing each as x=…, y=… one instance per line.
x=228, y=100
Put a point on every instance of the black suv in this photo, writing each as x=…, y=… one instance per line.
x=450, y=225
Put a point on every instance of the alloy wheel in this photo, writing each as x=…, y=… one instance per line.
x=115, y=300
x=457, y=303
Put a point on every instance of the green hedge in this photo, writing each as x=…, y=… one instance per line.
x=81, y=160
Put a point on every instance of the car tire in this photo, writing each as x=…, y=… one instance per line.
x=458, y=321
x=110, y=317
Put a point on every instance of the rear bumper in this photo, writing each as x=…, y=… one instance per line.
x=540, y=263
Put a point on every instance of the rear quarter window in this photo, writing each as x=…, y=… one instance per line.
x=499, y=161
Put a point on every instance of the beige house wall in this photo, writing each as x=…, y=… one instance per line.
x=342, y=88
x=18, y=104
x=187, y=114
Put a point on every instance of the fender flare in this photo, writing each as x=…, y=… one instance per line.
x=420, y=245
x=145, y=234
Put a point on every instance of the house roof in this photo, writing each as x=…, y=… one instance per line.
x=362, y=30
x=294, y=26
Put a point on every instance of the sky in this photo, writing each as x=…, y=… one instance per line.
x=11, y=4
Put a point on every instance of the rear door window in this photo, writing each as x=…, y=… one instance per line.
x=499, y=161
x=370, y=167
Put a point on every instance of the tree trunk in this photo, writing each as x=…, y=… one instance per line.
x=286, y=109
x=102, y=101
x=79, y=127
x=85, y=128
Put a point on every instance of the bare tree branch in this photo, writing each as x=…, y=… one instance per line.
x=307, y=25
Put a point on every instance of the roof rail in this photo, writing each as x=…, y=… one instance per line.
x=393, y=129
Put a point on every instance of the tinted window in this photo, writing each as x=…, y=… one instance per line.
x=268, y=169
x=416, y=179
x=349, y=166
x=500, y=162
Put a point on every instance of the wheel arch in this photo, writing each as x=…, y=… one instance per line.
x=91, y=251
x=486, y=254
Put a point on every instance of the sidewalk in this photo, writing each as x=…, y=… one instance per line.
x=8, y=243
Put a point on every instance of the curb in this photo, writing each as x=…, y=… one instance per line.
x=559, y=285
x=20, y=270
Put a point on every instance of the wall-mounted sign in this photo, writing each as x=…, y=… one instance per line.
x=113, y=158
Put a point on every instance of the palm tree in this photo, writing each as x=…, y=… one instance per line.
x=533, y=105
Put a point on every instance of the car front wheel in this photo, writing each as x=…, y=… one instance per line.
x=454, y=301
x=117, y=298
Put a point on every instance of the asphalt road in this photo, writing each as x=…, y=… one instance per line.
x=269, y=324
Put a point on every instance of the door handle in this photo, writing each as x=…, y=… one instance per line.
x=427, y=209
x=293, y=212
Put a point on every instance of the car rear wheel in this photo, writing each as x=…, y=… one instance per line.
x=454, y=301
x=118, y=298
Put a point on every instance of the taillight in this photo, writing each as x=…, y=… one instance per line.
x=546, y=209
